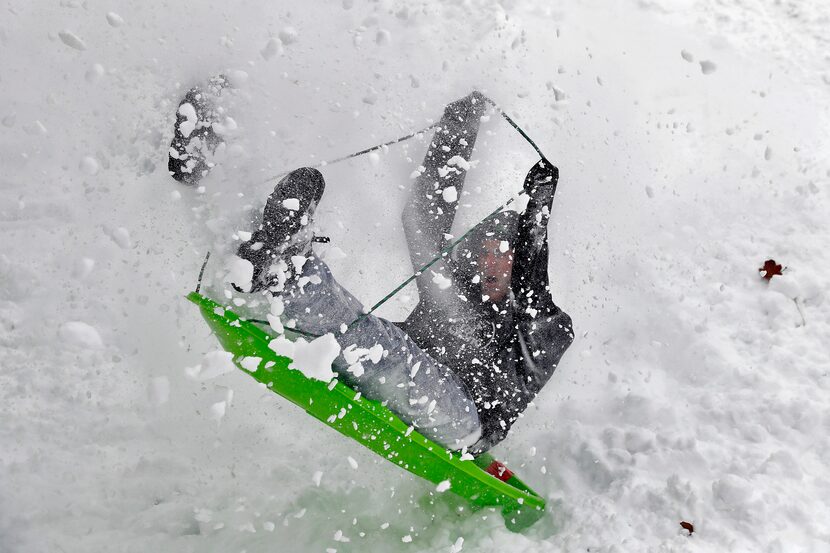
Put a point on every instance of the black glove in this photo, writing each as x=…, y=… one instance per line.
x=541, y=179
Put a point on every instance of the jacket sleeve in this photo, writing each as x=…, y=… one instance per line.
x=430, y=210
x=544, y=330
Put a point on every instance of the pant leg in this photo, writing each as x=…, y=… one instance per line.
x=414, y=385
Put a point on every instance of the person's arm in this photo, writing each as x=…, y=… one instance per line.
x=544, y=330
x=428, y=214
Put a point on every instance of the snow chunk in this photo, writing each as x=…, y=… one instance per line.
x=312, y=358
x=94, y=73
x=217, y=410
x=214, y=363
x=442, y=486
x=120, y=236
x=318, y=476
x=292, y=204
x=81, y=334
x=288, y=35
x=442, y=281
x=406, y=539
x=158, y=390
x=383, y=37
x=189, y=113
x=250, y=364
x=450, y=194
x=352, y=462
x=240, y=272
x=271, y=48
x=72, y=40
x=460, y=162
x=457, y=546
x=89, y=165
x=708, y=67
x=114, y=19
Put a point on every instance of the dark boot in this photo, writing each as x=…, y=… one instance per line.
x=285, y=230
x=195, y=139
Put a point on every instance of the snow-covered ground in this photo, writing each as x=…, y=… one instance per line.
x=692, y=140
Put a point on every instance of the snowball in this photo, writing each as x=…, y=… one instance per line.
x=442, y=486
x=292, y=204
x=89, y=165
x=215, y=363
x=189, y=124
x=158, y=390
x=374, y=158
x=271, y=48
x=442, y=281
x=460, y=162
x=217, y=410
x=81, y=334
x=288, y=35
x=114, y=19
x=250, y=364
x=707, y=67
x=72, y=40
x=312, y=358
x=120, y=236
x=95, y=72
x=83, y=267
x=240, y=272
x=383, y=37
x=504, y=245
x=450, y=194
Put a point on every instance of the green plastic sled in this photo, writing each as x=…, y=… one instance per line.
x=484, y=482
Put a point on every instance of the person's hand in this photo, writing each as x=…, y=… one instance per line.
x=472, y=105
x=542, y=176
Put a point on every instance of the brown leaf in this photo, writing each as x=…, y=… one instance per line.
x=770, y=269
x=688, y=526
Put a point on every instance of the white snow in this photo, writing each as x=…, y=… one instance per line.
x=81, y=334
x=441, y=281
x=694, y=391
x=89, y=165
x=189, y=124
x=312, y=358
x=271, y=48
x=72, y=40
x=292, y=204
x=114, y=19
x=449, y=194
x=442, y=486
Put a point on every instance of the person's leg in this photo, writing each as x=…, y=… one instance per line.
x=436, y=192
x=414, y=385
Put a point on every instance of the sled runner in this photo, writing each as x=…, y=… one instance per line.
x=482, y=481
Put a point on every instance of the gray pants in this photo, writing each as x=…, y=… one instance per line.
x=420, y=390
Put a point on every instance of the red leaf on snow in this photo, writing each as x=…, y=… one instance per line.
x=687, y=526
x=770, y=269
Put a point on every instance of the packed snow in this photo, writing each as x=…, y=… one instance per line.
x=692, y=142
